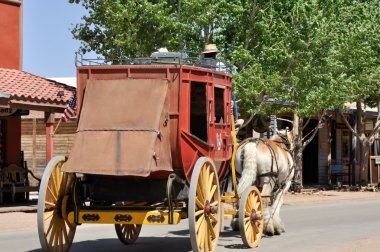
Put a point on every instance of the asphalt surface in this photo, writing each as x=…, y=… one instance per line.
x=342, y=226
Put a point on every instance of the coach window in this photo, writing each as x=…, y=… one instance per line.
x=219, y=104
x=198, y=110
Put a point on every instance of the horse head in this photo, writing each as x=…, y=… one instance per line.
x=286, y=136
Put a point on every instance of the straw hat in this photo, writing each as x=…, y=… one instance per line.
x=210, y=48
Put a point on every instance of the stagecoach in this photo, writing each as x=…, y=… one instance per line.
x=154, y=144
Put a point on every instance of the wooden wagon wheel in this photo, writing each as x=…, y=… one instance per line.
x=251, y=217
x=204, y=206
x=56, y=233
x=128, y=233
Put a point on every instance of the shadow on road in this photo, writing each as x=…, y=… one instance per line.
x=159, y=244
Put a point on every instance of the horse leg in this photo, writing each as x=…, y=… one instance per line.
x=277, y=222
x=267, y=215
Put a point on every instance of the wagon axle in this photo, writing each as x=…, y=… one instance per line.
x=255, y=216
x=209, y=209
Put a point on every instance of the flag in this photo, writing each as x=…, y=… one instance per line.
x=70, y=110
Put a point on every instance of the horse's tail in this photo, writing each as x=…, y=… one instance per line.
x=249, y=160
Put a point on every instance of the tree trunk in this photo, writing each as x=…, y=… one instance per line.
x=364, y=157
x=297, y=131
x=364, y=145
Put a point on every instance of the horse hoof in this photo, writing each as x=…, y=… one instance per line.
x=235, y=224
x=268, y=233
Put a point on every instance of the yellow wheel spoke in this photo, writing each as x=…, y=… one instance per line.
x=72, y=227
x=206, y=238
x=213, y=218
x=52, y=204
x=48, y=215
x=252, y=201
x=63, y=183
x=247, y=225
x=205, y=174
x=248, y=205
x=199, y=223
x=52, y=232
x=61, y=237
x=256, y=198
x=201, y=235
x=54, y=183
x=199, y=212
x=51, y=224
x=200, y=193
x=209, y=181
x=66, y=238
x=253, y=237
x=212, y=192
x=56, y=238
x=51, y=194
x=215, y=203
x=58, y=174
x=210, y=228
x=124, y=229
x=248, y=230
x=199, y=204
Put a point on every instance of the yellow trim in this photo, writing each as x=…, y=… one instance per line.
x=231, y=211
x=229, y=197
x=233, y=169
x=108, y=217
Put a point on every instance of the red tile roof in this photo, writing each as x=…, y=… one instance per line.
x=28, y=88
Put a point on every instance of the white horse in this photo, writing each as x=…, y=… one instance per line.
x=268, y=164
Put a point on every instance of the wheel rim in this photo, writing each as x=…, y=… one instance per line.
x=56, y=233
x=204, y=206
x=251, y=217
x=128, y=233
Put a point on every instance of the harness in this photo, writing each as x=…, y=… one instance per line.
x=273, y=175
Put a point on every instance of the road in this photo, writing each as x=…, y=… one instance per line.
x=342, y=226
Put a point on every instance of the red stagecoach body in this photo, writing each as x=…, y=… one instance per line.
x=193, y=108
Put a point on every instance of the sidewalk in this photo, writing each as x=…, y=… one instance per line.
x=26, y=207
x=327, y=197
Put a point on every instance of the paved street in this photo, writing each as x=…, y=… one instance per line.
x=343, y=226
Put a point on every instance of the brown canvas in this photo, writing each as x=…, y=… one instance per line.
x=121, y=130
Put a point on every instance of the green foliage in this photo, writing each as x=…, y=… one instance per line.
x=317, y=53
x=130, y=28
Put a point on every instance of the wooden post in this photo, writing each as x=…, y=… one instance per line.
x=34, y=145
x=49, y=122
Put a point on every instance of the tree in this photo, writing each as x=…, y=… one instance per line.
x=358, y=66
x=126, y=29
x=287, y=59
x=319, y=54
x=309, y=52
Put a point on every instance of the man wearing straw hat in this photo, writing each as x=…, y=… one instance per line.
x=208, y=58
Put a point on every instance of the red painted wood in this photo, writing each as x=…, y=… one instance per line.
x=185, y=148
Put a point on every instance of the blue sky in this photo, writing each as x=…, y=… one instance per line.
x=48, y=46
